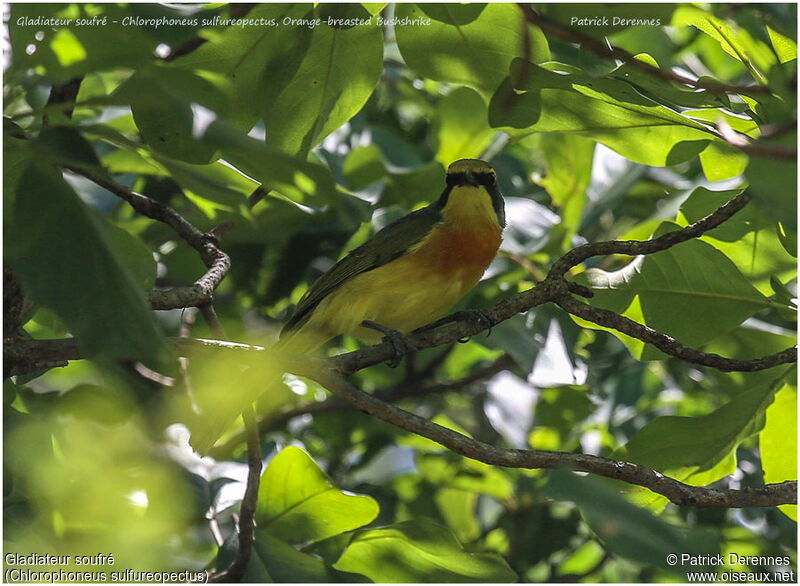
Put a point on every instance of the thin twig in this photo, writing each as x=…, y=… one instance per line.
x=669, y=345
x=637, y=247
x=247, y=511
x=217, y=262
x=757, y=148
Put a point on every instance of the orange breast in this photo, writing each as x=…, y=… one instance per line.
x=460, y=249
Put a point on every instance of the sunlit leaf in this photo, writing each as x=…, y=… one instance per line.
x=298, y=503
x=778, y=442
x=419, y=551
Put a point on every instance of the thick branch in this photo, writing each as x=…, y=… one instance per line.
x=573, y=36
x=217, y=262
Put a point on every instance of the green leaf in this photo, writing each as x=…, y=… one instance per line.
x=748, y=238
x=667, y=92
x=66, y=52
x=67, y=263
x=773, y=182
x=785, y=48
x=419, y=551
x=735, y=41
x=627, y=530
x=415, y=187
x=609, y=111
x=363, y=166
x=691, y=292
x=162, y=100
x=374, y=8
x=244, y=55
x=778, y=442
x=568, y=162
x=298, y=503
x=721, y=160
x=467, y=44
x=462, y=127
x=134, y=254
x=283, y=563
x=458, y=510
x=698, y=450
x=282, y=175
x=311, y=91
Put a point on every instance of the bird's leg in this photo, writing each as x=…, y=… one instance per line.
x=479, y=315
x=400, y=345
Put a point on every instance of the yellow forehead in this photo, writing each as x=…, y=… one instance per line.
x=474, y=165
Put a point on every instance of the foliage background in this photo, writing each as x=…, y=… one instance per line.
x=348, y=128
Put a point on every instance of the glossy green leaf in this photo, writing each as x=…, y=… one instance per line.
x=607, y=110
x=419, y=551
x=666, y=92
x=692, y=280
x=134, y=254
x=462, y=126
x=298, y=503
x=284, y=176
x=627, y=530
x=467, y=44
x=778, y=442
x=310, y=92
x=698, y=450
x=67, y=263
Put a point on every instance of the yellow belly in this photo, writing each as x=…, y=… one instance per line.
x=406, y=293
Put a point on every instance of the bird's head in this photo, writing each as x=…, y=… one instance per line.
x=475, y=173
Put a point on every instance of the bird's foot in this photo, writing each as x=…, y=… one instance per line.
x=400, y=345
x=479, y=315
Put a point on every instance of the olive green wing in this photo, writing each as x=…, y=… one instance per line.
x=385, y=246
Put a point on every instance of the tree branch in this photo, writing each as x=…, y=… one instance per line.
x=669, y=345
x=574, y=36
x=247, y=510
x=637, y=247
x=217, y=262
x=677, y=492
x=328, y=372
x=403, y=390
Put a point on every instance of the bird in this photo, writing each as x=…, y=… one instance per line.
x=404, y=277
x=411, y=272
